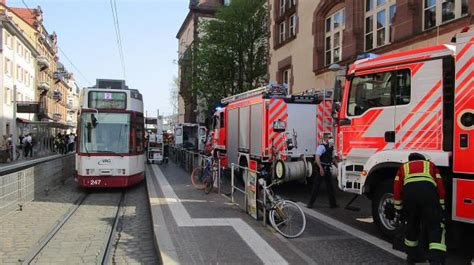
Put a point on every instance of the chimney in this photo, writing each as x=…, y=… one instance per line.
x=4, y=2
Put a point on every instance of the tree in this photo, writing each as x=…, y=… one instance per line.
x=231, y=56
x=174, y=95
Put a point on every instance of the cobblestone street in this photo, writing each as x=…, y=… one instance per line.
x=134, y=242
x=21, y=230
x=84, y=236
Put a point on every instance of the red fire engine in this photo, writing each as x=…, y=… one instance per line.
x=395, y=104
x=273, y=128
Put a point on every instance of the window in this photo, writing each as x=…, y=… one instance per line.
x=18, y=73
x=292, y=26
x=335, y=25
x=291, y=3
x=8, y=67
x=379, y=17
x=379, y=90
x=285, y=77
x=437, y=12
x=282, y=32
x=282, y=7
x=8, y=96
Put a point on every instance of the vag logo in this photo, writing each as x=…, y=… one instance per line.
x=104, y=162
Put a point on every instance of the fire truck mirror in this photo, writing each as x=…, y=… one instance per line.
x=335, y=110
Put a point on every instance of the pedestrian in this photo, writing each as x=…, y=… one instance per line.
x=418, y=193
x=72, y=140
x=27, y=145
x=65, y=143
x=324, y=162
x=3, y=149
x=58, y=143
x=10, y=147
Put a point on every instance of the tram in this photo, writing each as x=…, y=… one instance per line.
x=110, y=144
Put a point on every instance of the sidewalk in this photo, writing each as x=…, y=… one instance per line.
x=194, y=228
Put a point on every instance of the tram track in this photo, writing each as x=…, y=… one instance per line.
x=71, y=218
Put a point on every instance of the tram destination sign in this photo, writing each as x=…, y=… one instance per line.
x=107, y=100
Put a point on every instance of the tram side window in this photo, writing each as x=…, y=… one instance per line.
x=140, y=134
x=378, y=90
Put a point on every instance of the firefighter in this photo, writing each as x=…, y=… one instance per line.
x=324, y=162
x=419, y=199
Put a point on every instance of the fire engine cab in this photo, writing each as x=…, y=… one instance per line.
x=420, y=100
x=274, y=129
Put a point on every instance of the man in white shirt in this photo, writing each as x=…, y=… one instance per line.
x=72, y=139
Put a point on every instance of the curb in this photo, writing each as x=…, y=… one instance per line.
x=163, y=244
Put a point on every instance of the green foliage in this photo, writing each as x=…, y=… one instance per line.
x=231, y=56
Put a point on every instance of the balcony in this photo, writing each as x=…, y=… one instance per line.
x=57, y=116
x=43, y=62
x=43, y=86
x=58, y=96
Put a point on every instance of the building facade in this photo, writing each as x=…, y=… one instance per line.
x=189, y=109
x=306, y=37
x=50, y=86
x=72, y=103
x=17, y=71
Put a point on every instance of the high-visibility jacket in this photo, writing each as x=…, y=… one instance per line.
x=416, y=171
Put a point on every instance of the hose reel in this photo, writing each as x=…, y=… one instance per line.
x=286, y=171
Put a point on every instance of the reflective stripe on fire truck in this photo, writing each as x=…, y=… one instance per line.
x=277, y=111
x=410, y=243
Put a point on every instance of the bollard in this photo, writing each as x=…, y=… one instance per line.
x=218, y=176
x=232, y=182
x=245, y=188
x=264, y=208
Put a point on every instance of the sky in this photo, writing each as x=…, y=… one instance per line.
x=148, y=28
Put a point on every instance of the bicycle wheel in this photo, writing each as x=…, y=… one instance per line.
x=209, y=183
x=288, y=219
x=197, y=178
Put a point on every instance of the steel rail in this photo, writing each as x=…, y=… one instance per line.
x=109, y=246
x=40, y=246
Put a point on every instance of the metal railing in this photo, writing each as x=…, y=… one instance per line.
x=245, y=191
x=189, y=160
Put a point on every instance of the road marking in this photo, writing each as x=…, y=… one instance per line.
x=350, y=230
x=260, y=247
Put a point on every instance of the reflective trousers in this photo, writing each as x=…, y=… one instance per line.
x=422, y=208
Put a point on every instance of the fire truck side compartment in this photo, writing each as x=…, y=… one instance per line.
x=256, y=123
x=232, y=136
x=244, y=116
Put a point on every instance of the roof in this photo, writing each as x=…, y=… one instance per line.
x=200, y=10
x=27, y=14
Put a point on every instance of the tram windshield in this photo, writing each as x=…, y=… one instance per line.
x=105, y=132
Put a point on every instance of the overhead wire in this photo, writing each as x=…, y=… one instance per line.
x=113, y=6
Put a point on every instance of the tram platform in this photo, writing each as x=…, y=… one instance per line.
x=191, y=227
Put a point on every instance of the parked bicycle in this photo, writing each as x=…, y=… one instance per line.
x=285, y=216
x=203, y=177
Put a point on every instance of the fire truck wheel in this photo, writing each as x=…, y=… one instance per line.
x=383, y=210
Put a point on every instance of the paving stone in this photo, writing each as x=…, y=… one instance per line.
x=135, y=237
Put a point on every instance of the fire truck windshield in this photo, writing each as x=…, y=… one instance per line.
x=105, y=132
